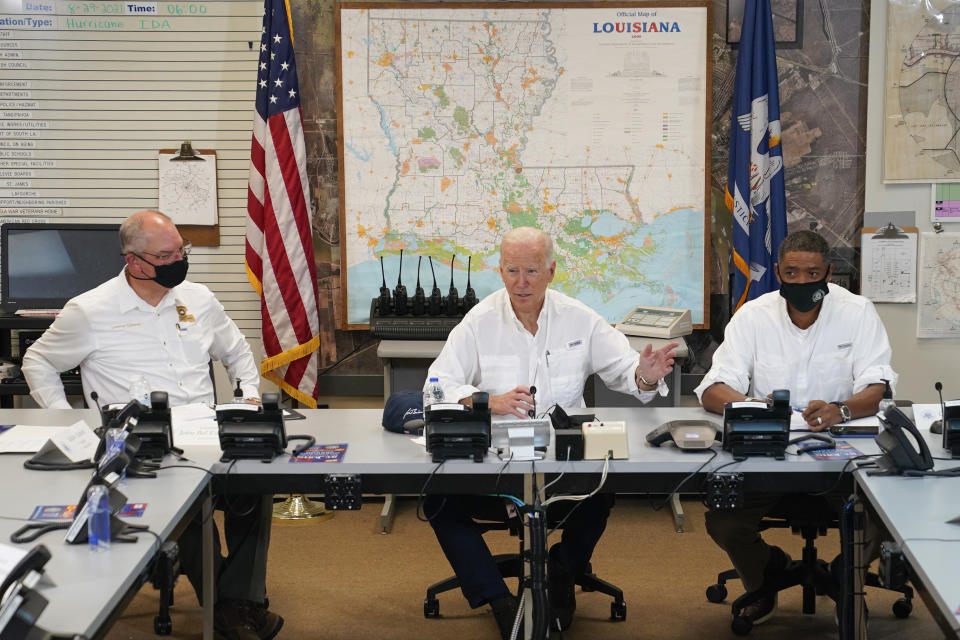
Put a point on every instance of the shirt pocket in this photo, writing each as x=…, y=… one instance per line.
x=567, y=375
x=837, y=370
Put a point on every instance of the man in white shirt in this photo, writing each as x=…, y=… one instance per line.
x=149, y=321
x=522, y=337
x=823, y=343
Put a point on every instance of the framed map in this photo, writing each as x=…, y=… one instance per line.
x=921, y=135
x=461, y=122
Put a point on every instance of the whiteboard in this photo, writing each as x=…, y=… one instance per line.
x=91, y=91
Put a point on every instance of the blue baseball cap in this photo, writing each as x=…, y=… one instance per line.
x=403, y=412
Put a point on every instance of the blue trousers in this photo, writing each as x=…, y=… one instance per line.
x=454, y=521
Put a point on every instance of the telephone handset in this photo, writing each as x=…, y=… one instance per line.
x=904, y=448
x=32, y=561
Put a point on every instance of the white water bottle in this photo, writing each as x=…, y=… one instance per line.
x=433, y=393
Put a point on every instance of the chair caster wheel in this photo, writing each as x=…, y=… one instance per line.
x=162, y=626
x=618, y=611
x=431, y=608
x=741, y=625
x=902, y=608
x=716, y=593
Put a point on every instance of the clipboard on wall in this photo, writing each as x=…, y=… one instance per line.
x=187, y=182
x=888, y=263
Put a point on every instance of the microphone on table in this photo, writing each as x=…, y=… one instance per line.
x=937, y=425
x=96, y=398
x=533, y=394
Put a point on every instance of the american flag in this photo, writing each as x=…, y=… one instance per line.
x=279, y=252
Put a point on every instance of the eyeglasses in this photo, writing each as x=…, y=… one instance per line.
x=180, y=253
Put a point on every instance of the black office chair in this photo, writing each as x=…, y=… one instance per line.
x=808, y=516
x=511, y=566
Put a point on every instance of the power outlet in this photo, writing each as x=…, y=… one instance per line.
x=724, y=490
x=342, y=492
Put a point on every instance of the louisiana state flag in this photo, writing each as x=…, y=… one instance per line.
x=755, y=194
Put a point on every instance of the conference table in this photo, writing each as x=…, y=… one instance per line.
x=91, y=589
x=922, y=515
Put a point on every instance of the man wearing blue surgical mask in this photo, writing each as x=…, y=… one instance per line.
x=830, y=349
x=150, y=321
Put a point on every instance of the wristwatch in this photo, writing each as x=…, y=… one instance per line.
x=844, y=410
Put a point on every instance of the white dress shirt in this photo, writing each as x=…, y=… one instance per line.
x=490, y=350
x=114, y=336
x=840, y=354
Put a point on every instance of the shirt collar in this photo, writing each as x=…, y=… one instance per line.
x=512, y=315
x=128, y=300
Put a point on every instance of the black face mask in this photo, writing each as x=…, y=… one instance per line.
x=804, y=296
x=167, y=275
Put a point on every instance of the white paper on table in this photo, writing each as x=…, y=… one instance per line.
x=925, y=414
x=797, y=423
x=194, y=424
x=24, y=438
x=77, y=442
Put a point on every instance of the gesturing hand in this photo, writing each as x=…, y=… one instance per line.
x=656, y=364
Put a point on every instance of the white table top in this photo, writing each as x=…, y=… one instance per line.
x=372, y=449
x=916, y=510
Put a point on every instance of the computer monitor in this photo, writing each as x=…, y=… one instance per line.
x=42, y=265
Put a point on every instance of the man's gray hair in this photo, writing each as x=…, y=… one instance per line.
x=805, y=241
x=523, y=235
x=130, y=230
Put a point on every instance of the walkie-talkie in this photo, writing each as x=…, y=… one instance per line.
x=453, y=298
x=384, y=304
x=470, y=297
x=400, y=293
x=436, y=300
x=419, y=299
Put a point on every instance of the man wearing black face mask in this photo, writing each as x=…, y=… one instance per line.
x=150, y=321
x=823, y=343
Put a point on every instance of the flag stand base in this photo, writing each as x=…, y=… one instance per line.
x=300, y=507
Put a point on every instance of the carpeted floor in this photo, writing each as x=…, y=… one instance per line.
x=343, y=579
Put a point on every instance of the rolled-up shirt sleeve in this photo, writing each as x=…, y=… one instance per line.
x=64, y=345
x=457, y=368
x=871, y=358
x=616, y=362
x=230, y=347
x=733, y=359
